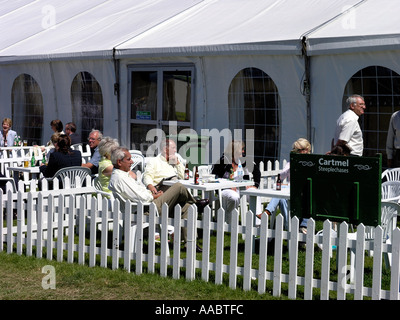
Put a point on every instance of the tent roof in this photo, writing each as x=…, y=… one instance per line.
x=58, y=29
x=370, y=25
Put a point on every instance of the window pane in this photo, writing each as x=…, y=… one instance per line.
x=27, y=109
x=138, y=137
x=144, y=95
x=176, y=95
x=87, y=104
x=380, y=89
x=254, y=103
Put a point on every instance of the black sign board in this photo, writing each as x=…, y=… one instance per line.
x=337, y=188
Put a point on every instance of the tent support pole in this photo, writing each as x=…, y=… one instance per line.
x=117, y=90
x=307, y=86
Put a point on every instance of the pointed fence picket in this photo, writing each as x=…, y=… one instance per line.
x=49, y=225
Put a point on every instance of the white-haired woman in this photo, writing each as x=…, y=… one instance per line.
x=299, y=146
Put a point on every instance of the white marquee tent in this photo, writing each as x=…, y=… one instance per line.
x=53, y=40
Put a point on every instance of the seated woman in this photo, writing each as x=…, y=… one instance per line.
x=227, y=165
x=106, y=146
x=7, y=135
x=299, y=146
x=62, y=157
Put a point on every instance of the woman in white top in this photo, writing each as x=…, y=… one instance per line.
x=7, y=135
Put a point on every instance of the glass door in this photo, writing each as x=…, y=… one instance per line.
x=161, y=98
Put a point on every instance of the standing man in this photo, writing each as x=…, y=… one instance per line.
x=95, y=137
x=70, y=129
x=348, y=129
x=393, y=141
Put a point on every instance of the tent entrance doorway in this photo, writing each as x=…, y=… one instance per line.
x=159, y=95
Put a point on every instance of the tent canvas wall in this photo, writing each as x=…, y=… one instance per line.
x=54, y=40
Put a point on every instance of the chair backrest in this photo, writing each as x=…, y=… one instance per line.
x=389, y=211
x=391, y=174
x=391, y=191
x=96, y=183
x=9, y=181
x=138, y=160
x=72, y=173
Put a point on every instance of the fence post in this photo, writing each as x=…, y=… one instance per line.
x=60, y=231
x=262, y=267
x=104, y=230
x=293, y=256
x=164, y=238
x=220, y=246
x=377, y=266
x=342, y=261
x=152, y=244
x=309, y=265
x=234, y=253
x=49, y=233
x=93, y=223
x=206, y=244
x=248, y=250
x=278, y=256
x=359, y=263
x=395, y=272
x=71, y=228
x=20, y=222
x=326, y=253
x=191, y=243
x=177, y=244
x=40, y=222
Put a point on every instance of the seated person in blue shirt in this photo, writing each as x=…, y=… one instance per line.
x=95, y=137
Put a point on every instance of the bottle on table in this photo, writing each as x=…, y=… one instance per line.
x=278, y=182
x=186, y=175
x=44, y=158
x=240, y=172
x=33, y=160
x=196, y=176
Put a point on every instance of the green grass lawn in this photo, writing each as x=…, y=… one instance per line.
x=21, y=278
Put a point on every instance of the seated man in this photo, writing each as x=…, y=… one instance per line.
x=164, y=166
x=94, y=139
x=127, y=187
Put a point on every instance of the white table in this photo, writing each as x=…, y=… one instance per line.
x=210, y=187
x=271, y=193
x=34, y=173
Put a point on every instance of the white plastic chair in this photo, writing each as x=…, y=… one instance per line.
x=72, y=173
x=391, y=174
x=391, y=191
x=138, y=160
x=9, y=181
x=123, y=202
x=389, y=212
x=134, y=225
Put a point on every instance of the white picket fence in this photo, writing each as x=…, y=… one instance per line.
x=49, y=224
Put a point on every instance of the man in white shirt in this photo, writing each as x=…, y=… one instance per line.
x=348, y=130
x=127, y=187
x=164, y=166
x=393, y=141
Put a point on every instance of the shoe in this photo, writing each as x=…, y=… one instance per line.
x=198, y=249
x=303, y=230
x=201, y=204
x=260, y=214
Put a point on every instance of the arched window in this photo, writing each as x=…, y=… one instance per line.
x=87, y=104
x=380, y=88
x=254, y=103
x=27, y=109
